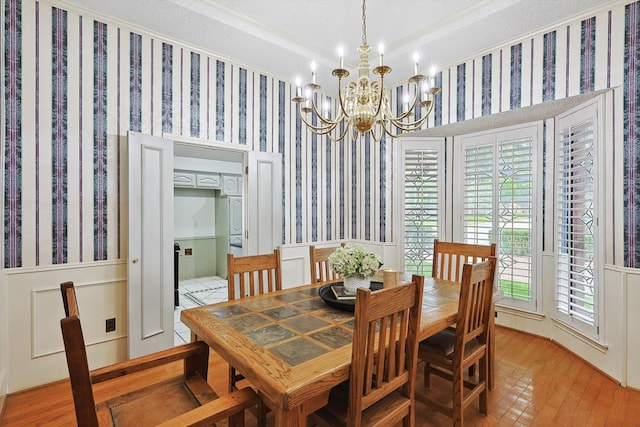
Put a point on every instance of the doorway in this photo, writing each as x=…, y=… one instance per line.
x=152, y=163
x=208, y=223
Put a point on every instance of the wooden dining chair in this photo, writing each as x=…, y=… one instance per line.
x=319, y=263
x=253, y=274
x=381, y=382
x=180, y=401
x=449, y=257
x=247, y=276
x=449, y=354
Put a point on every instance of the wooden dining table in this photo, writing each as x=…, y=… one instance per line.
x=293, y=347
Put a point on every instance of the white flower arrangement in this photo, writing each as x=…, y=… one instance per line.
x=353, y=261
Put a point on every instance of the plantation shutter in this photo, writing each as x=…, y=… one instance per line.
x=575, y=216
x=479, y=195
x=423, y=169
x=498, y=205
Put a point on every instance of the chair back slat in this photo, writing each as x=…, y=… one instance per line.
x=254, y=274
x=385, y=341
x=319, y=263
x=76, y=355
x=450, y=257
x=474, y=309
x=79, y=371
x=69, y=299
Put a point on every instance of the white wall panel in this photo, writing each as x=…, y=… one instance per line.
x=73, y=139
x=113, y=161
x=527, y=64
x=29, y=130
x=536, y=69
x=44, y=173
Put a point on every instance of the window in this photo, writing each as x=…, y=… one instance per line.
x=498, y=202
x=423, y=173
x=576, y=219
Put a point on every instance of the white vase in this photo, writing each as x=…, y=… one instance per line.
x=353, y=283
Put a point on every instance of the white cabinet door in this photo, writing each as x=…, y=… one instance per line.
x=231, y=185
x=208, y=180
x=184, y=179
x=235, y=215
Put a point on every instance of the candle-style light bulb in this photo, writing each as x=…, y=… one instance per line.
x=298, y=87
x=415, y=60
x=313, y=72
x=341, y=56
x=381, y=51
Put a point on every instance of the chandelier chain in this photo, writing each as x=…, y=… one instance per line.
x=364, y=22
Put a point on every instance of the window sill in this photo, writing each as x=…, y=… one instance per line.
x=520, y=312
x=603, y=348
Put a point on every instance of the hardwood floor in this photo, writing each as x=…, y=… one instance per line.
x=538, y=383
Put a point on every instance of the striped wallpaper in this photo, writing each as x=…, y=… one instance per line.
x=74, y=84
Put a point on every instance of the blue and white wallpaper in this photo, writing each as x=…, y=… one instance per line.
x=74, y=84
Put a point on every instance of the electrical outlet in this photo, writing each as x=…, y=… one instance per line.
x=110, y=325
x=188, y=251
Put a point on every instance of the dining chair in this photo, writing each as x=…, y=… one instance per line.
x=449, y=257
x=247, y=276
x=449, y=354
x=381, y=385
x=319, y=263
x=253, y=274
x=184, y=400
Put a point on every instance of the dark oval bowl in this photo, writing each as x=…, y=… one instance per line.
x=329, y=298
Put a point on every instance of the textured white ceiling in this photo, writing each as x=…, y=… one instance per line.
x=283, y=36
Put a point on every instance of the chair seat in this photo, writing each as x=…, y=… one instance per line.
x=440, y=347
x=335, y=413
x=156, y=404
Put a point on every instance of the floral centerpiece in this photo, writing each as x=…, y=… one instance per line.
x=356, y=265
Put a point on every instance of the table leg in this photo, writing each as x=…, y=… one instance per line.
x=492, y=350
x=293, y=417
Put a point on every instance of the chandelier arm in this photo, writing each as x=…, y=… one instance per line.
x=409, y=127
x=342, y=109
x=373, y=134
x=354, y=134
x=388, y=132
x=344, y=133
x=319, y=130
x=409, y=110
x=394, y=119
x=322, y=118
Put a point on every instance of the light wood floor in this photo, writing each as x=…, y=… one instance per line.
x=537, y=383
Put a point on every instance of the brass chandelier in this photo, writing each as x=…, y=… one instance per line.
x=364, y=104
